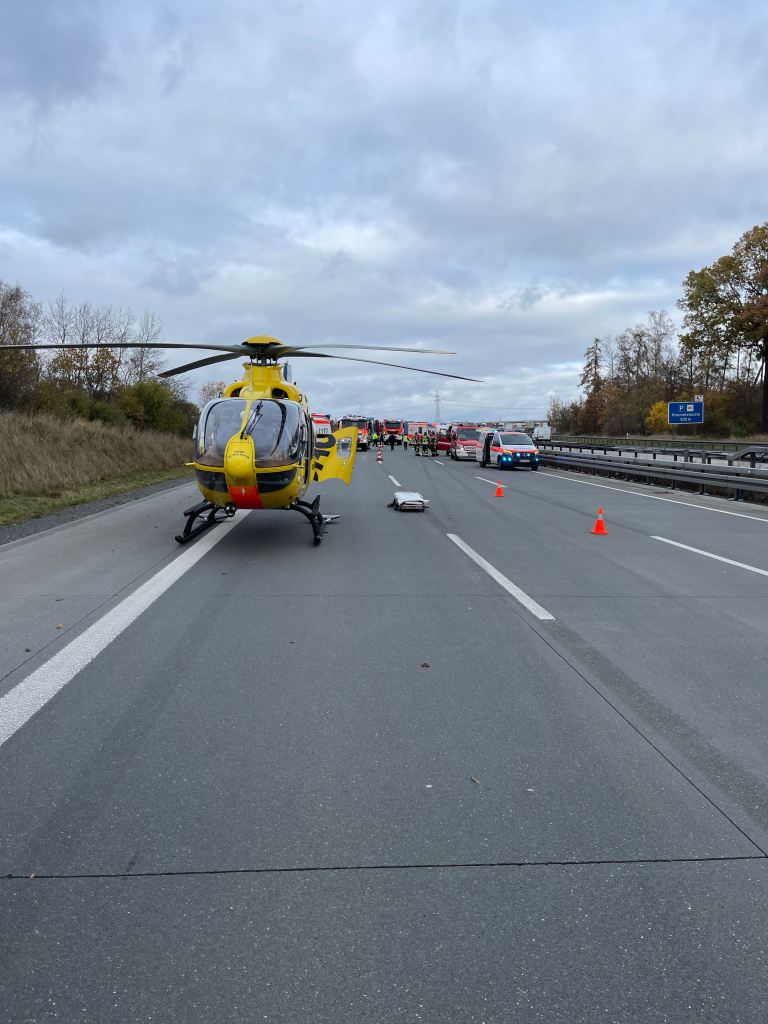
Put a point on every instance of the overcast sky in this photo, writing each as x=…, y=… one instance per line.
x=504, y=179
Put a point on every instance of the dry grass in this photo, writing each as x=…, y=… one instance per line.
x=45, y=457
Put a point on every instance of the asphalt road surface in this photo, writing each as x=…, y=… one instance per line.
x=471, y=765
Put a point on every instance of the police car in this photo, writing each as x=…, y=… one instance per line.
x=506, y=449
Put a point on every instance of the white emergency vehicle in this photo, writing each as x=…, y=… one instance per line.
x=321, y=423
x=506, y=449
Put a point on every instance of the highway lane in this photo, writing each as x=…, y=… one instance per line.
x=284, y=792
x=677, y=640
x=54, y=582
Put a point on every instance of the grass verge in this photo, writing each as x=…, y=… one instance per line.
x=15, y=508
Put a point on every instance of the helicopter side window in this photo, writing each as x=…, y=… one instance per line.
x=309, y=437
x=220, y=420
x=276, y=429
x=302, y=448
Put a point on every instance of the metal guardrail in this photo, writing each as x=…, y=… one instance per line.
x=650, y=442
x=752, y=454
x=733, y=479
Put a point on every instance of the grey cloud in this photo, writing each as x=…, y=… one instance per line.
x=508, y=178
x=521, y=299
x=51, y=50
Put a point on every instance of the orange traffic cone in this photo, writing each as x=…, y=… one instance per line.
x=499, y=491
x=599, y=527
x=378, y=456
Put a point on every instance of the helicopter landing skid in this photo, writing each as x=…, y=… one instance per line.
x=206, y=512
x=312, y=513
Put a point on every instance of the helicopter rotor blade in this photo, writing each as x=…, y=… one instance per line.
x=235, y=349
x=263, y=347
x=268, y=347
x=379, y=362
x=293, y=349
x=200, y=362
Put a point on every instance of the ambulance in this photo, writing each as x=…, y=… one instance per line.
x=507, y=449
x=321, y=422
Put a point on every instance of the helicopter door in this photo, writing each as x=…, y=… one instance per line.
x=334, y=455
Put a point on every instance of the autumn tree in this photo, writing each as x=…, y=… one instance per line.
x=19, y=325
x=725, y=326
x=656, y=421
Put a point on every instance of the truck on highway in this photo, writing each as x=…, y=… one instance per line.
x=392, y=428
x=363, y=425
x=463, y=441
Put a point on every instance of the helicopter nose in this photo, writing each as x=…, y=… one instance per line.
x=239, y=463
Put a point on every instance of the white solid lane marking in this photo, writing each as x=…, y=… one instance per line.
x=533, y=607
x=32, y=693
x=395, y=482
x=437, y=462
x=496, y=483
x=654, y=497
x=708, y=554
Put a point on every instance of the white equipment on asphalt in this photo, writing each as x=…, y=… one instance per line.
x=409, y=501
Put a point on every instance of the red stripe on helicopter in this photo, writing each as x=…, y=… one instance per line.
x=245, y=497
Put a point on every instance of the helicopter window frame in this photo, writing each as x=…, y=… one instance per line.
x=285, y=437
x=278, y=444
x=209, y=445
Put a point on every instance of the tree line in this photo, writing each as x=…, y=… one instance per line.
x=108, y=383
x=720, y=352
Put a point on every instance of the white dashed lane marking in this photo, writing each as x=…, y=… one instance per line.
x=569, y=479
x=709, y=554
x=511, y=588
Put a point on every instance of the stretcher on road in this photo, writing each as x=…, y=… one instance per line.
x=409, y=501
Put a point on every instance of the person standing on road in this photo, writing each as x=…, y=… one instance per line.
x=405, y=442
x=391, y=440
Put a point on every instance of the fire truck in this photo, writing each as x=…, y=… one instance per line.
x=363, y=425
x=394, y=427
x=463, y=440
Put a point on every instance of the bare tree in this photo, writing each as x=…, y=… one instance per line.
x=210, y=390
x=122, y=331
x=70, y=325
x=58, y=321
x=143, y=363
x=609, y=358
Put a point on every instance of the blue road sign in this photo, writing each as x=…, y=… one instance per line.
x=685, y=412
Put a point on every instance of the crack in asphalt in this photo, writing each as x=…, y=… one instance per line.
x=331, y=868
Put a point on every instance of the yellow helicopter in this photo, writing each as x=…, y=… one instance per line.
x=255, y=445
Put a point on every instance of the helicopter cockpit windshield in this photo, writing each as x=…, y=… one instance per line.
x=276, y=429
